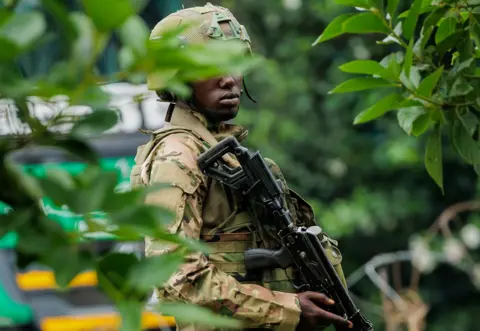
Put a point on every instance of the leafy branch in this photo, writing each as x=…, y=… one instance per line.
x=90, y=195
x=433, y=77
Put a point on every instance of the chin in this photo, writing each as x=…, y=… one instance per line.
x=231, y=114
x=224, y=114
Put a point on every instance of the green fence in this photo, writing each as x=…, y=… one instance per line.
x=61, y=214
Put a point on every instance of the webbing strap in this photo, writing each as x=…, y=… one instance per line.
x=229, y=247
x=276, y=275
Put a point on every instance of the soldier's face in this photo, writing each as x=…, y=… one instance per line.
x=218, y=98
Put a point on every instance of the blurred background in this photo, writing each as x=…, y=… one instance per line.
x=367, y=183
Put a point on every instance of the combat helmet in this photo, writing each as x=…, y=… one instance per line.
x=206, y=22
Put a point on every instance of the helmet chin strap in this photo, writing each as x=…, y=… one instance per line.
x=168, y=116
x=246, y=91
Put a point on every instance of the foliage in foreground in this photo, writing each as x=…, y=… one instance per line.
x=74, y=81
x=430, y=78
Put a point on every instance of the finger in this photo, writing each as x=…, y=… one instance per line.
x=320, y=298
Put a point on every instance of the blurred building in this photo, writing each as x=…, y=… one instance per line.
x=138, y=108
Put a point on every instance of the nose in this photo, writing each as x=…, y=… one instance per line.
x=227, y=82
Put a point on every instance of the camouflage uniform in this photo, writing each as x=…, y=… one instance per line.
x=207, y=210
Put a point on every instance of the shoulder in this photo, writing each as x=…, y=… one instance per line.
x=174, y=162
x=180, y=146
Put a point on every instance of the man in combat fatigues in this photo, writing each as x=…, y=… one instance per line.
x=207, y=210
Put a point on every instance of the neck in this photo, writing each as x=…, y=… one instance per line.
x=211, y=124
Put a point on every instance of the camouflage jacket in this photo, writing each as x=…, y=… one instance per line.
x=201, y=206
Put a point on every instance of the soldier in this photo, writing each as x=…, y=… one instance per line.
x=204, y=209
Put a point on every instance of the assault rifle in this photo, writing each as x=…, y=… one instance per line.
x=301, y=246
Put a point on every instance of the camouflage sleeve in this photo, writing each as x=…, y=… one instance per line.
x=198, y=280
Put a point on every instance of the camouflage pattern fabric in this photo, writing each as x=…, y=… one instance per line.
x=202, y=23
x=205, y=210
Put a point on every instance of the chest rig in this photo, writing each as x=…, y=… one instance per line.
x=231, y=225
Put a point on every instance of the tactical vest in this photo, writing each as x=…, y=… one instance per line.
x=230, y=227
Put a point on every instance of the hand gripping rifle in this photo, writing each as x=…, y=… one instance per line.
x=301, y=246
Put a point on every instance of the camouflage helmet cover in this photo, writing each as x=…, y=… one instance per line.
x=206, y=23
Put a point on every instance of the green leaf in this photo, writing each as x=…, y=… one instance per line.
x=411, y=21
x=450, y=42
x=126, y=58
x=406, y=117
x=366, y=22
x=469, y=120
x=433, y=157
x=64, y=26
x=467, y=147
x=426, y=7
x=147, y=218
x=24, y=29
x=67, y=263
x=359, y=84
x=392, y=63
x=131, y=313
x=112, y=271
x=62, y=177
x=392, y=7
x=407, y=103
x=438, y=115
x=134, y=33
x=92, y=96
x=420, y=44
x=108, y=14
x=25, y=183
x=407, y=64
x=464, y=16
x=367, y=67
x=58, y=185
x=435, y=16
x=475, y=28
x=9, y=50
x=189, y=313
x=459, y=67
x=466, y=57
x=193, y=245
x=460, y=87
x=83, y=47
x=55, y=192
x=421, y=124
x=333, y=29
x=386, y=104
x=413, y=81
x=4, y=15
x=362, y=67
x=154, y=271
x=14, y=220
x=355, y=3
x=477, y=169
x=40, y=237
x=95, y=123
x=94, y=187
x=447, y=27
x=427, y=85
x=76, y=147
x=122, y=200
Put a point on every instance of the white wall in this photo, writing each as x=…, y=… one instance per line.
x=125, y=97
